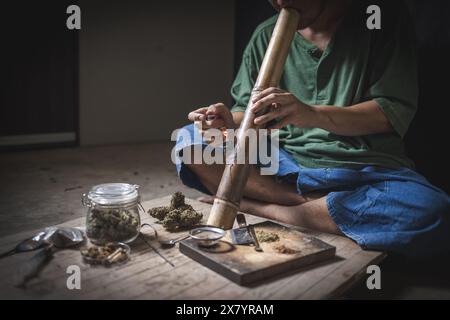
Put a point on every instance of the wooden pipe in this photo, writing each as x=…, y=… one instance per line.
x=235, y=176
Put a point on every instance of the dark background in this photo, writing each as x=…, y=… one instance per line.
x=39, y=67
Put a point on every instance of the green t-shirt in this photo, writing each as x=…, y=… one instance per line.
x=358, y=65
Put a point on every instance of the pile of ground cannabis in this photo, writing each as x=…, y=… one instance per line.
x=285, y=250
x=264, y=236
x=179, y=216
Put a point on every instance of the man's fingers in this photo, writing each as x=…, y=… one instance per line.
x=194, y=116
x=221, y=112
x=274, y=114
x=215, y=116
x=265, y=93
x=273, y=98
x=198, y=115
x=217, y=108
x=216, y=123
x=207, y=113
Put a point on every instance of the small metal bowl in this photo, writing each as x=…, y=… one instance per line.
x=211, y=236
x=97, y=261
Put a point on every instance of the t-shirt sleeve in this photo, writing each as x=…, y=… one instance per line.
x=251, y=61
x=393, y=78
x=243, y=85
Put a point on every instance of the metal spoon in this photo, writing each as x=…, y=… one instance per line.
x=172, y=242
x=29, y=244
x=54, y=238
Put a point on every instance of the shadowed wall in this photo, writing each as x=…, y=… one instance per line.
x=145, y=64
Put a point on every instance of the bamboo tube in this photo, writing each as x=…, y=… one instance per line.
x=235, y=176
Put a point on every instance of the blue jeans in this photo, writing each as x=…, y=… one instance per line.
x=394, y=210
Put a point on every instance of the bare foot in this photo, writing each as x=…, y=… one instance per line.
x=312, y=215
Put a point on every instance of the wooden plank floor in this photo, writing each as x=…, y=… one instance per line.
x=148, y=276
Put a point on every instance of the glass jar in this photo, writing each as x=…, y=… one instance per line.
x=113, y=213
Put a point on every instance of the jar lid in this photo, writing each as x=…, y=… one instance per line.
x=113, y=194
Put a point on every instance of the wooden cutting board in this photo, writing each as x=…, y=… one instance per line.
x=243, y=265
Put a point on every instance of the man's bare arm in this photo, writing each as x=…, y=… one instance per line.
x=361, y=119
x=357, y=120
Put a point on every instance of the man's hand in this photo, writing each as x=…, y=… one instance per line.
x=215, y=116
x=284, y=107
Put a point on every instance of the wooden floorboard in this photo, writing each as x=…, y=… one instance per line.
x=148, y=276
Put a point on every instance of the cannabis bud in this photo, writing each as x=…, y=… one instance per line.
x=179, y=216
